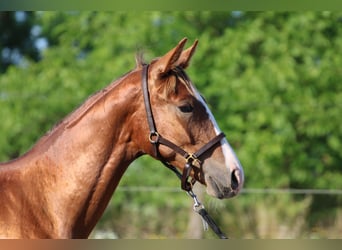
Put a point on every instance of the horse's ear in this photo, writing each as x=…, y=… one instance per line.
x=186, y=55
x=170, y=59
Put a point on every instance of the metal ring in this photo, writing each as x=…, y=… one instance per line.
x=154, y=134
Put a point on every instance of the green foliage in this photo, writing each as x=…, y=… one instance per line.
x=284, y=96
x=17, y=39
x=272, y=80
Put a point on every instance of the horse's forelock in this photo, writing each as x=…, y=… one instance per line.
x=180, y=73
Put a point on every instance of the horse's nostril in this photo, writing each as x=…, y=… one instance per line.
x=235, y=180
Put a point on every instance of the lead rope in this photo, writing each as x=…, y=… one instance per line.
x=199, y=208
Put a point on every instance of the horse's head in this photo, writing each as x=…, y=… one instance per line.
x=181, y=117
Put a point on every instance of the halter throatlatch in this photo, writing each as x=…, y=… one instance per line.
x=156, y=139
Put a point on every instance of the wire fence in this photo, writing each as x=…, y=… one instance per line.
x=244, y=191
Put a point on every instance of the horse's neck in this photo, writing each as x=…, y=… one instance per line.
x=82, y=160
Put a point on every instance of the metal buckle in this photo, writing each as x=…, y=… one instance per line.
x=192, y=158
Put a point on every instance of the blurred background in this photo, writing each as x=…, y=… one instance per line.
x=272, y=79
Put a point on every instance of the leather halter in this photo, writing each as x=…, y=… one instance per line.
x=156, y=139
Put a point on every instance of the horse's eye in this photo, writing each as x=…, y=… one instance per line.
x=188, y=108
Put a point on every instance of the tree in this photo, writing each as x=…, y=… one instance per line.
x=18, y=38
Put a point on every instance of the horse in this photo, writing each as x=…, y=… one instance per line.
x=62, y=185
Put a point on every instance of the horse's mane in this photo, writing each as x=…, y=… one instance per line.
x=92, y=100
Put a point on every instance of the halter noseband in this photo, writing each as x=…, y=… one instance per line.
x=156, y=139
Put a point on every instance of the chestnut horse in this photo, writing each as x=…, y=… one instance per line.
x=60, y=188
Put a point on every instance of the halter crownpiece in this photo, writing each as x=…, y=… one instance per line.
x=156, y=139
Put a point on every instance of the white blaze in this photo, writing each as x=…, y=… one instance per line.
x=231, y=160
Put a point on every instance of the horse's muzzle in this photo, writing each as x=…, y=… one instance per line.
x=221, y=189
